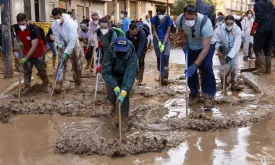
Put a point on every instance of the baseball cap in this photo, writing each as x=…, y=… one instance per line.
x=121, y=44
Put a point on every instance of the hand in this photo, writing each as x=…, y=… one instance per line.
x=159, y=44
x=117, y=91
x=191, y=70
x=227, y=59
x=86, y=51
x=254, y=28
x=122, y=95
x=186, y=48
x=222, y=50
x=21, y=44
x=98, y=69
x=162, y=47
x=22, y=60
x=65, y=55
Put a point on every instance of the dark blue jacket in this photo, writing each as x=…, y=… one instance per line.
x=264, y=15
x=120, y=71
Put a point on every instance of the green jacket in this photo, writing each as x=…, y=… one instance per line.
x=120, y=71
x=106, y=40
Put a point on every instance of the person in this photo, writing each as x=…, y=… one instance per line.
x=33, y=51
x=108, y=17
x=85, y=20
x=247, y=23
x=199, y=31
x=125, y=21
x=138, y=37
x=228, y=43
x=73, y=18
x=105, y=35
x=85, y=36
x=51, y=44
x=262, y=32
x=119, y=72
x=161, y=27
x=150, y=37
x=65, y=36
x=219, y=22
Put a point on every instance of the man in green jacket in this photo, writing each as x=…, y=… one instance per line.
x=119, y=73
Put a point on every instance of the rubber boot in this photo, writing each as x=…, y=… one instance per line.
x=208, y=101
x=261, y=62
x=25, y=91
x=250, y=51
x=54, y=61
x=43, y=76
x=268, y=64
x=88, y=64
x=140, y=77
x=193, y=99
x=165, y=75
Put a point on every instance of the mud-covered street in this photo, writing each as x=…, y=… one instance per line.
x=70, y=130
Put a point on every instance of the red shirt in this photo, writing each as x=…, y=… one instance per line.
x=26, y=37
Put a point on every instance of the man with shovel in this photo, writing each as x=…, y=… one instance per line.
x=119, y=73
x=33, y=51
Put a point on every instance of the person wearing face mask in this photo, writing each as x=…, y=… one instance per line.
x=119, y=73
x=138, y=37
x=220, y=21
x=199, y=31
x=147, y=21
x=228, y=43
x=125, y=21
x=108, y=17
x=85, y=36
x=262, y=32
x=247, y=23
x=66, y=37
x=33, y=51
x=161, y=27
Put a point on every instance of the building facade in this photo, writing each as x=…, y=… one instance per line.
x=40, y=10
x=236, y=6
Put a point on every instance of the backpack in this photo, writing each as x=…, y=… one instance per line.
x=203, y=22
x=208, y=10
x=145, y=28
x=166, y=20
x=42, y=34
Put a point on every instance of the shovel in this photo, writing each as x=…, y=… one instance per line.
x=118, y=104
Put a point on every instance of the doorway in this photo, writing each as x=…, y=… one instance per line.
x=150, y=13
x=36, y=10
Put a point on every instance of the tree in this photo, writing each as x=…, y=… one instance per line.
x=182, y=3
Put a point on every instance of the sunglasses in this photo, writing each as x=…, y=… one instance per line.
x=193, y=33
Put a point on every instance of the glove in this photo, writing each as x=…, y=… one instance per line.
x=65, y=55
x=86, y=51
x=254, y=28
x=117, y=91
x=162, y=47
x=191, y=70
x=159, y=44
x=186, y=48
x=222, y=50
x=122, y=95
x=227, y=59
x=21, y=44
x=99, y=45
x=22, y=60
x=98, y=69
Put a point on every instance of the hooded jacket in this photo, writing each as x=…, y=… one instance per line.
x=264, y=15
x=65, y=34
x=230, y=40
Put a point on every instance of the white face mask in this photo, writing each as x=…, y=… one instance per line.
x=104, y=31
x=121, y=16
x=190, y=23
x=161, y=17
x=96, y=22
x=58, y=21
x=249, y=15
x=23, y=27
x=229, y=28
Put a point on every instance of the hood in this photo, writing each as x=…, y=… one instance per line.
x=66, y=17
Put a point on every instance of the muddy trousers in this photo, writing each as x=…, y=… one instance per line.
x=141, y=64
x=163, y=57
x=38, y=63
x=125, y=106
x=76, y=61
x=263, y=43
x=208, y=81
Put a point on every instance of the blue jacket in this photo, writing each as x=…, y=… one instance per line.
x=120, y=71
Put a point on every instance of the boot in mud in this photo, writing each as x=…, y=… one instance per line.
x=125, y=123
x=25, y=91
x=208, y=102
x=193, y=99
x=268, y=64
x=250, y=56
x=165, y=76
x=261, y=63
x=88, y=64
x=140, y=77
x=236, y=86
x=58, y=88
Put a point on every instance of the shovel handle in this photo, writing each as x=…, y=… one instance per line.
x=119, y=118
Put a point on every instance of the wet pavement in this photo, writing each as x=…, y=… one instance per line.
x=31, y=139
